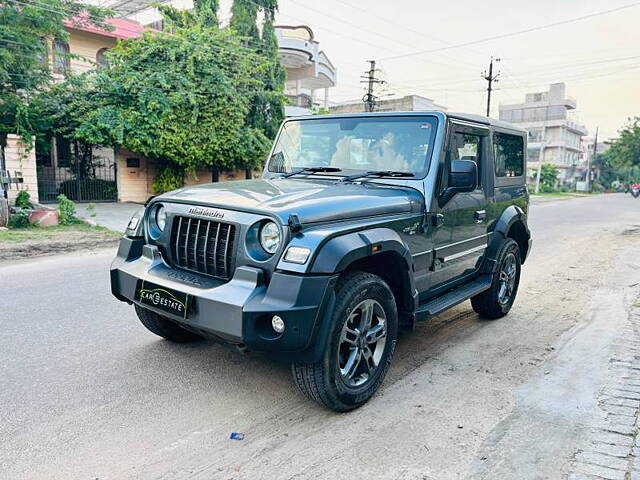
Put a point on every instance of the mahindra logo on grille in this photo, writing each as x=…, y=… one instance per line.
x=206, y=212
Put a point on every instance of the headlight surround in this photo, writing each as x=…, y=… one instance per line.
x=160, y=217
x=270, y=237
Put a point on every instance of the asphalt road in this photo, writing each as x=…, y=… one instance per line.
x=87, y=393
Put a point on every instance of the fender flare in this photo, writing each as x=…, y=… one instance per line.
x=339, y=252
x=510, y=216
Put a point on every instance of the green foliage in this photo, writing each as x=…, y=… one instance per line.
x=23, y=71
x=23, y=200
x=66, y=210
x=180, y=97
x=91, y=209
x=19, y=220
x=625, y=150
x=548, y=177
x=267, y=104
x=169, y=178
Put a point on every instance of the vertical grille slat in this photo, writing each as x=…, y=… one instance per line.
x=204, y=246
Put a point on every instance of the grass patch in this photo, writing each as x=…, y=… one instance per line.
x=49, y=233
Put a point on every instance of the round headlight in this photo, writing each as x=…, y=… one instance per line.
x=270, y=237
x=161, y=217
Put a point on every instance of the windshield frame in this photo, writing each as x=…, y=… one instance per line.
x=418, y=175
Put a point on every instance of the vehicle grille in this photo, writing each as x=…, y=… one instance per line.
x=203, y=246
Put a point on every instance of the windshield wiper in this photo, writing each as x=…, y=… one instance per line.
x=378, y=173
x=312, y=170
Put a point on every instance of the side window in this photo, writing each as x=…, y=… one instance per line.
x=465, y=146
x=508, y=152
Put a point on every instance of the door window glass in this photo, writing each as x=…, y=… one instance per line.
x=466, y=147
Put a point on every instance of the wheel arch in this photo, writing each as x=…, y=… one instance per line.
x=380, y=251
x=511, y=224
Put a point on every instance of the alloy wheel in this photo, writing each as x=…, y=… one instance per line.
x=507, y=278
x=362, y=342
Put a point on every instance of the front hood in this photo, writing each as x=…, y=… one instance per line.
x=312, y=200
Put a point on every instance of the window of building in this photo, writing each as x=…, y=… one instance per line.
x=61, y=62
x=101, y=59
x=533, y=154
x=536, y=134
x=508, y=152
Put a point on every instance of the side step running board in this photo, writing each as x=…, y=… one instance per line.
x=453, y=297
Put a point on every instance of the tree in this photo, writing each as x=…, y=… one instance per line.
x=548, y=177
x=267, y=105
x=625, y=150
x=179, y=97
x=27, y=28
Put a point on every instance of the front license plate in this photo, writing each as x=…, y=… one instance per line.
x=162, y=298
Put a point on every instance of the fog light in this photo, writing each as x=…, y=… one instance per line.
x=277, y=323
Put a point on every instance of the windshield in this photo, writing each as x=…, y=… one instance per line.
x=355, y=144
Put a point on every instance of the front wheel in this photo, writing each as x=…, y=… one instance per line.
x=498, y=299
x=359, y=348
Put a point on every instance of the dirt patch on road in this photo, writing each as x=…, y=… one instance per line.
x=33, y=242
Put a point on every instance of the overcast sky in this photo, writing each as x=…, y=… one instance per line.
x=598, y=58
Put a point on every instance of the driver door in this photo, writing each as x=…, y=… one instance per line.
x=460, y=246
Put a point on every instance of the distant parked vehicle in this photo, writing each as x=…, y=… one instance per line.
x=635, y=190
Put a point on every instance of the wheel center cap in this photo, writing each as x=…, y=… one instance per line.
x=362, y=341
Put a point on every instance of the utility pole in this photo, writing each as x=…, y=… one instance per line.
x=595, y=152
x=490, y=78
x=369, y=99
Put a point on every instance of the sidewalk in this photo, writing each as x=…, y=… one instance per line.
x=579, y=418
x=114, y=216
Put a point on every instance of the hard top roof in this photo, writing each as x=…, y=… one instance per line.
x=469, y=117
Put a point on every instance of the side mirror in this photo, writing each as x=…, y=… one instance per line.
x=463, y=177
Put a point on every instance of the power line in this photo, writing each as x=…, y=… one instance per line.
x=518, y=32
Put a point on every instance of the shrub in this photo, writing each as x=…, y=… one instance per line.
x=19, y=220
x=91, y=210
x=22, y=200
x=169, y=178
x=67, y=211
x=94, y=188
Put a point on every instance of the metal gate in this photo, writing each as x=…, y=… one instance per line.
x=79, y=174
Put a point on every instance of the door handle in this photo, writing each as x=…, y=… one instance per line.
x=480, y=216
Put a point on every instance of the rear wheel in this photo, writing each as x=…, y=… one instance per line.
x=359, y=348
x=164, y=327
x=498, y=300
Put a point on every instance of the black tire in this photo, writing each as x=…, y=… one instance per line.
x=165, y=328
x=492, y=303
x=325, y=381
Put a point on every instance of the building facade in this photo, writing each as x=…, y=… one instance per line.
x=554, y=136
x=409, y=103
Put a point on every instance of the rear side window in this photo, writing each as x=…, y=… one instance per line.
x=508, y=152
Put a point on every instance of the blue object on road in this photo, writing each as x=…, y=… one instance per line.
x=236, y=436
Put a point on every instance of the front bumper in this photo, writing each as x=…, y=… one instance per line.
x=238, y=311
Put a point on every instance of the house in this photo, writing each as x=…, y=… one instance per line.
x=554, y=135
x=108, y=175
x=95, y=176
x=408, y=103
